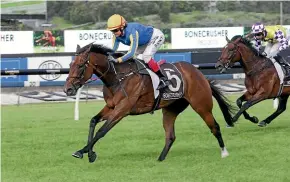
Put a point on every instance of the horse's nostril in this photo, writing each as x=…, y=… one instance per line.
x=69, y=91
x=217, y=65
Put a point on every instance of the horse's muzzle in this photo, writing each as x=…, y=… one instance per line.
x=70, y=92
x=220, y=67
x=71, y=88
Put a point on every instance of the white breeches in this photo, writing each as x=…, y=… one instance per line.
x=146, y=52
x=270, y=48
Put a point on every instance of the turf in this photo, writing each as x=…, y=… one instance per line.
x=38, y=140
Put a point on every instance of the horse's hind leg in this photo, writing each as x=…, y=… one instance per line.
x=239, y=102
x=281, y=108
x=215, y=129
x=204, y=109
x=169, y=115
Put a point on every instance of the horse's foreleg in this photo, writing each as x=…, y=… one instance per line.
x=240, y=101
x=254, y=100
x=121, y=110
x=94, y=121
x=281, y=108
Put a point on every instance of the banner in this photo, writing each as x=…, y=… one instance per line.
x=48, y=63
x=48, y=41
x=186, y=38
x=16, y=42
x=83, y=37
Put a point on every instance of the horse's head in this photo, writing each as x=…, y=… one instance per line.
x=81, y=69
x=230, y=54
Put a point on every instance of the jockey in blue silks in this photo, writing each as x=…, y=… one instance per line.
x=143, y=40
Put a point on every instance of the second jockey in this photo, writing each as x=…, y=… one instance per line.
x=275, y=36
x=143, y=40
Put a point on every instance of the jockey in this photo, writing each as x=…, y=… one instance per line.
x=142, y=39
x=274, y=35
x=277, y=41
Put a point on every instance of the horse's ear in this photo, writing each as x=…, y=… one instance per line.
x=78, y=48
x=242, y=39
x=90, y=46
x=228, y=40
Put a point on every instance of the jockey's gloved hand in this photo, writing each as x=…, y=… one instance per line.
x=262, y=53
x=112, y=59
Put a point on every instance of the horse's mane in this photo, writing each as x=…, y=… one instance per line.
x=97, y=48
x=247, y=43
x=101, y=49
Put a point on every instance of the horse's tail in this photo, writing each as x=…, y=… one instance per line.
x=224, y=103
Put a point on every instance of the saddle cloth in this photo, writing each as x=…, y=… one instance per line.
x=175, y=89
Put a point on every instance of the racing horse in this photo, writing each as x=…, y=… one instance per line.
x=261, y=81
x=127, y=92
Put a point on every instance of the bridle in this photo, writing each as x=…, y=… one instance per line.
x=85, y=62
x=232, y=54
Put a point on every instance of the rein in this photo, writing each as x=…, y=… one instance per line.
x=85, y=59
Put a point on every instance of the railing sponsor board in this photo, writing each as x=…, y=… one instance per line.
x=72, y=38
x=173, y=57
x=53, y=63
x=215, y=37
x=16, y=42
x=13, y=64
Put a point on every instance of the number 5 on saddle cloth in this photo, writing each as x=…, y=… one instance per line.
x=175, y=89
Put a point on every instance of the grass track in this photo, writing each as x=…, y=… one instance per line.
x=38, y=139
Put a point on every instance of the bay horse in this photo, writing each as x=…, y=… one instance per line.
x=126, y=92
x=261, y=81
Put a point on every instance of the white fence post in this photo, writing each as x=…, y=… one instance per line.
x=77, y=116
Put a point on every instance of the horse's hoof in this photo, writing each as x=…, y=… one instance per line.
x=161, y=159
x=254, y=119
x=77, y=155
x=224, y=153
x=92, y=157
x=230, y=126
x=262, y=124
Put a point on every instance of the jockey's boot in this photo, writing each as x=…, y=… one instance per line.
x=154, y=66
x=284, y=62
x=281, y=60
x=164, y=82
